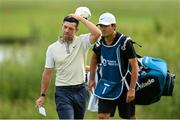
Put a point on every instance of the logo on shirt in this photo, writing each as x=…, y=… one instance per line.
x=74, y=46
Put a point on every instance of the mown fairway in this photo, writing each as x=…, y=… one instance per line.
x=154, y=24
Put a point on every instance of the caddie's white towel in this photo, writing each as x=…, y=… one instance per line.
x=93, y=103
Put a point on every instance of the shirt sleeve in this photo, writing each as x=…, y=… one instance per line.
x=49, y=59
x=85, y=40
x=97, y=50
x=130, y=51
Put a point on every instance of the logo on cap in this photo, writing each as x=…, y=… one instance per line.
x=107, y=19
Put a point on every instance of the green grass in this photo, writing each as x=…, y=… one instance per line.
x=153, y=24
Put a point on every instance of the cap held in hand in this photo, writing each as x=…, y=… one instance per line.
x=84, y=12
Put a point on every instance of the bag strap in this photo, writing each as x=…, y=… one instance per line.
x=118, y=53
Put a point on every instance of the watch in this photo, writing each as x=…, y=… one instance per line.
x=43, y=94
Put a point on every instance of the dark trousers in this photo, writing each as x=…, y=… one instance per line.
x=71, y=101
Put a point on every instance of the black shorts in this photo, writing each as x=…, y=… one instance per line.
x=126, y=110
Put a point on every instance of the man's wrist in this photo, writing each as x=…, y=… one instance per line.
x=133, y=89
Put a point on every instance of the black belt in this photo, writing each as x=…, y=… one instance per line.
x=72, y=87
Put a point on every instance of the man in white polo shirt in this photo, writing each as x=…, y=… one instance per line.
x=67, y=55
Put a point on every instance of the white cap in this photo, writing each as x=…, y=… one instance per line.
x=107, y=19
x=83, y=11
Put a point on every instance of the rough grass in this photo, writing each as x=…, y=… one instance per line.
x=153, y=24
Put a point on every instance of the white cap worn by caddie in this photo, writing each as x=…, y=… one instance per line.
x=107, y=19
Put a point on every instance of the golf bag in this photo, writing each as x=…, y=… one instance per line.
x=154, y=81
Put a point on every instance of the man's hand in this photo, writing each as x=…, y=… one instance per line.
x=76, y=16
x=40, y=101
x=130, y=95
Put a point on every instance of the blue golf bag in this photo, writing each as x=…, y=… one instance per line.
x=154, y=81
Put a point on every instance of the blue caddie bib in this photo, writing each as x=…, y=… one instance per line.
x=110, y=86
